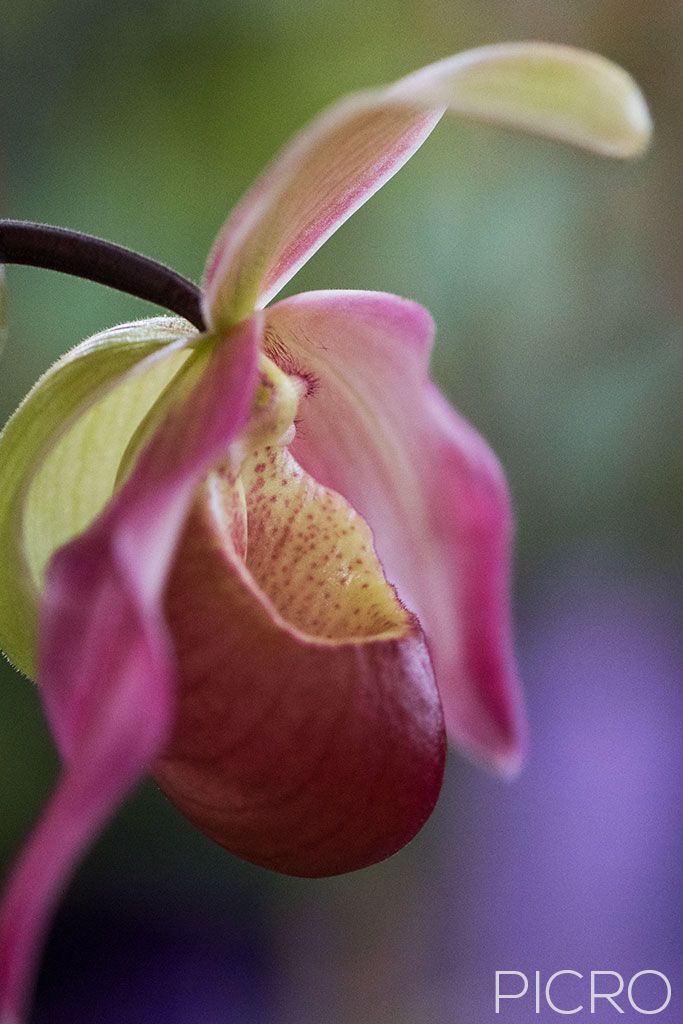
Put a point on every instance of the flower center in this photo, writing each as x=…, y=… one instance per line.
x=298, y=544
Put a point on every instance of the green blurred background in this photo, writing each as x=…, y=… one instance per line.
x=554, y=279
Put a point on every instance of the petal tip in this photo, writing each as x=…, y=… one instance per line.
x=509, y=765
x=505, y=760
x=639, y=125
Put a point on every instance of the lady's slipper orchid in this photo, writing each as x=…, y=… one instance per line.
x=244, y=557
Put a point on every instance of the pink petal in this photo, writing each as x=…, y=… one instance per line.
x=352, y=149
x=309, y=736
x=375, y=429
x=107, y=669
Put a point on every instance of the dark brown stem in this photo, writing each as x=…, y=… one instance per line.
x=39, y=245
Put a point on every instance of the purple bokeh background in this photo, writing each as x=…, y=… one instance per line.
x=577, y=865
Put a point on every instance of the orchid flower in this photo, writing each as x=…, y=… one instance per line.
x=253, y=551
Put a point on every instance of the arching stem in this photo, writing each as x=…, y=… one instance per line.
x=40, y=245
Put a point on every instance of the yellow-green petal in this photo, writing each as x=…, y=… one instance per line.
x=567, y=94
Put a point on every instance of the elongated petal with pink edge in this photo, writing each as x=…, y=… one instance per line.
x=106, y=667
x=375, y=429
x=323, y=752
x=353, y=148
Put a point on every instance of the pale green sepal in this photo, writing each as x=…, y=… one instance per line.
x=60, y=451
x=178, y=390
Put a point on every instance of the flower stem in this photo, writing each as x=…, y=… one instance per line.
x=40, y=245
